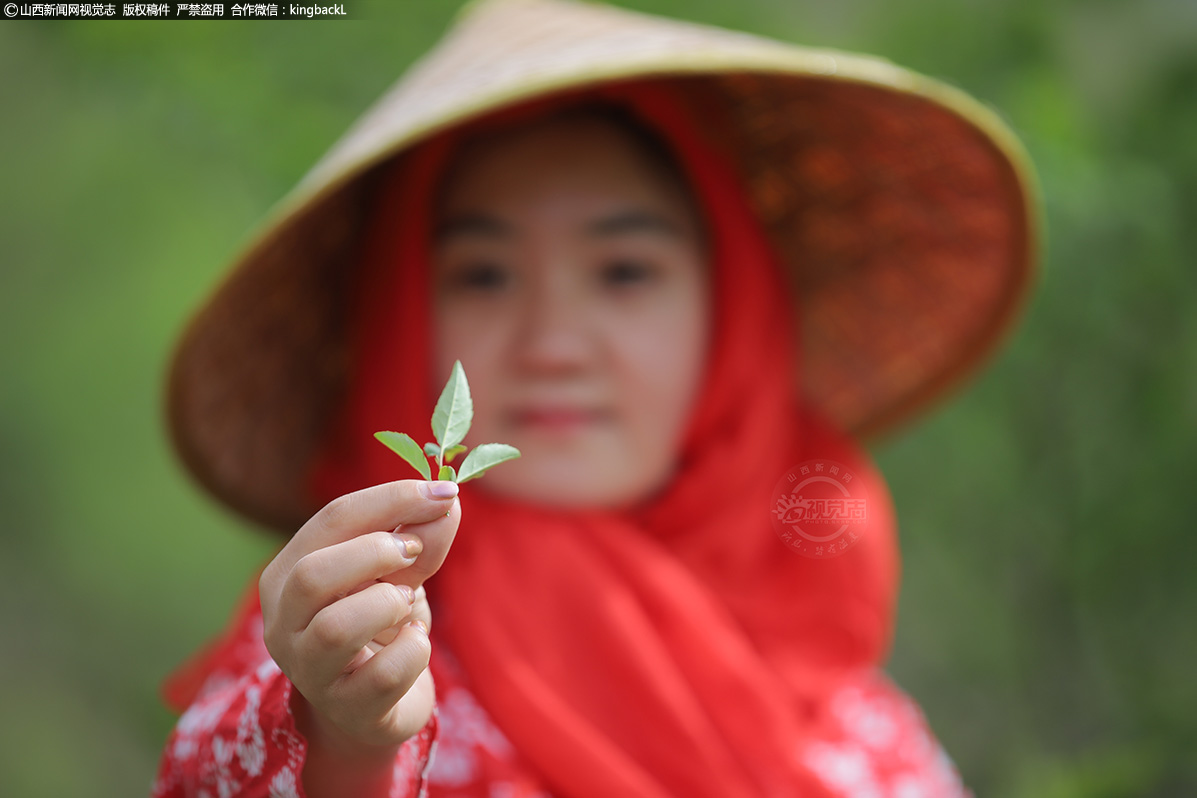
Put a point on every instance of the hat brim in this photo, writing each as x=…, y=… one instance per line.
x=904, y=211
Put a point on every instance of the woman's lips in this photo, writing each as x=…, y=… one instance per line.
x=557, y=419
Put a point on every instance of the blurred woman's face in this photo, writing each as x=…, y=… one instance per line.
x=570, y=280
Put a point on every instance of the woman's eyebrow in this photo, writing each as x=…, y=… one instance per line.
x=471, y=224
x=474, y=224
x=634, y=221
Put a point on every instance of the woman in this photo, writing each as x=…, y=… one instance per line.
x=621, y=613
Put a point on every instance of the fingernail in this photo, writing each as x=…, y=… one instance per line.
x=411, y=546
x=420, y=624
x=442, y=489
x=409, y=595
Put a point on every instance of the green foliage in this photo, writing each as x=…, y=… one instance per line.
x=451, y=421
x=1046, y=513
x=433, y=450
x=402, y=444
x=485, y=456
x=454, y=410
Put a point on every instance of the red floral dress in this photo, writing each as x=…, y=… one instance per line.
x=237, y=739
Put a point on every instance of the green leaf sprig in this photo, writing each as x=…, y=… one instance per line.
x=450, y=422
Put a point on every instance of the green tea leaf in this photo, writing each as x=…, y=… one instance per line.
x=450, y=422
x=485, y=456
x=454, y=410
x=403, y=445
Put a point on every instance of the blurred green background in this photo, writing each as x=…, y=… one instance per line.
x=1046, y=622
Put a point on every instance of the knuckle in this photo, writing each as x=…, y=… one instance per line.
x=421, y=651
x=338, y=511
x=389, y=603
x=417, y=650
x=272, y=640
x=403, y=668
x=383, y=548
x=423, y=648
x=422, y=612
x=328, y=631
x=399, y=606
x=305, y=579
x=283, y=654
x=384, y=678
x=267, y=578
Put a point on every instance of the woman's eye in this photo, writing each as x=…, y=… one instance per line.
x=482, y=277
x=626, y=273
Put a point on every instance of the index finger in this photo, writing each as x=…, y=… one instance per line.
x=381, y=507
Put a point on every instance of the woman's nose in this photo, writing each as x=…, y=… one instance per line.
x=554, y=329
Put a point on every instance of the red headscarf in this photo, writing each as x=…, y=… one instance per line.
x=679, y=648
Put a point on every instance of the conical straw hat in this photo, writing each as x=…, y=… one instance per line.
x=903, y=210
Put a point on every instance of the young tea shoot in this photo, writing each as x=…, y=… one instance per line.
x=450, y=422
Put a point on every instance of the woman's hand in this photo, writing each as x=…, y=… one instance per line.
x=340, y=606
